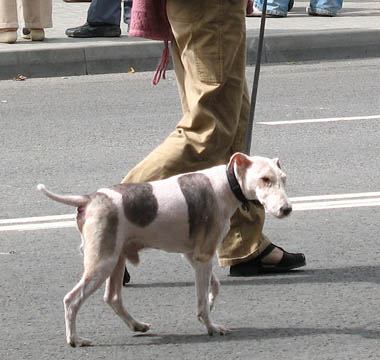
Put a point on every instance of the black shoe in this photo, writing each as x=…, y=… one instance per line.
x=90, y=31
x=255, y=266
x=290, y=5
x=126, y=278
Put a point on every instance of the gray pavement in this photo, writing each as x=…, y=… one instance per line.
x=355, y=33
x=66, y=133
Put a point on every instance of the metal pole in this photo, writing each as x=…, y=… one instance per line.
x=248, y=134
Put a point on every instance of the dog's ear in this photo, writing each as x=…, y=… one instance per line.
x=240, y=159
x=277, y=162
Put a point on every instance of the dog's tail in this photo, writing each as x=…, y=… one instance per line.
x=73, y=200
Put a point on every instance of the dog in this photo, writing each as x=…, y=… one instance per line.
x=188, y=213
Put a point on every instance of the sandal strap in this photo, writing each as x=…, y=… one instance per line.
x=266, y=251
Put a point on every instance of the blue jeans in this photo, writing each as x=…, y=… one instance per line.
x=280, y=7
x=108, y=12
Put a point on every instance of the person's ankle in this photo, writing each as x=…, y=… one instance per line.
x=274, y=257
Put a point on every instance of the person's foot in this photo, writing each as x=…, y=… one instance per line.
x=8, y=36
x=319, y=12
x=90, y=31
x=126, y=277
x=290, y=5
x=257, y=13
x=33, y=34
x=272, y=260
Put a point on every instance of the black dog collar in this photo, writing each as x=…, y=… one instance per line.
x=235, y=187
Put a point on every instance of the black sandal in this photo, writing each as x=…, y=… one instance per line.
x=126, y=277
x=255, y=266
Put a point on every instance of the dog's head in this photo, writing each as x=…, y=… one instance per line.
x=262, y=179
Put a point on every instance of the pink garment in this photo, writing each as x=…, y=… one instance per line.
x=149, y=20
x=250, y=7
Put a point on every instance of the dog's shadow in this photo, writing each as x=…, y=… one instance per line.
x=351, y=274
x=245, y=334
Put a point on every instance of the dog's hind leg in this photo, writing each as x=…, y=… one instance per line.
x=112, y=297
x=203, y=273
x=99, y=249
x=91, y=280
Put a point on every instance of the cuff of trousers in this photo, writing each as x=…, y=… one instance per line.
x=264, y=243
x=10, y=25
x=277, y=13
x=38, y=25
x=321, y=11
x=272, y=12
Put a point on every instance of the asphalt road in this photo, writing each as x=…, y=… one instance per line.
x=78, y=134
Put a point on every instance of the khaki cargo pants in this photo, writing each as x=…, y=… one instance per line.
x=209, y=55
x=37, y=13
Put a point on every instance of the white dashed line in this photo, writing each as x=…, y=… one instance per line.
x=306, y=121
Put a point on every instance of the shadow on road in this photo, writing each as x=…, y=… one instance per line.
x=247, y=334
x=351, y=274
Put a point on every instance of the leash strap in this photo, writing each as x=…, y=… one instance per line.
x=248, y=134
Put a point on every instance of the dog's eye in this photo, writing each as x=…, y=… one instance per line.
x=266, y=180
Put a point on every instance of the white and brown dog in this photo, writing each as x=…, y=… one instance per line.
x=188, y=214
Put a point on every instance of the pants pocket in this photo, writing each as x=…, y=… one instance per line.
x=209, y=52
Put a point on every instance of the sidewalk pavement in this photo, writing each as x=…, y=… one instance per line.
x=355, y=33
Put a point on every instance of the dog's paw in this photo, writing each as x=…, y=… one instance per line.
x=141, y=327
x=216, y=329
x=77, y=342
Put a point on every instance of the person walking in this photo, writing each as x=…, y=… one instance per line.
x=209, y=56
x=37, y=17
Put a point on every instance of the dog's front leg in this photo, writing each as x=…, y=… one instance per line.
x=214, y=286
x=203, y=273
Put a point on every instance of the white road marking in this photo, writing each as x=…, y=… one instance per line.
x=305, y=121
x=302, y=203
x=339, y=204
x=38, y=226
x=336, y=196
x=37, y=219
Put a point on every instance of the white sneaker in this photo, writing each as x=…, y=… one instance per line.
x=255, y=13
x=8, y=37
x=320, y=12
x=35, y=35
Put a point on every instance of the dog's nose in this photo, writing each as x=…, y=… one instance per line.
x=286, y=210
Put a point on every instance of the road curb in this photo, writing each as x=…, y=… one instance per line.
x=100, y=58
x=81, y=60
x=316, y=46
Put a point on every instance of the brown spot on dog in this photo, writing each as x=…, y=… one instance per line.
x=201, y=203
x=108, y=218
x=110, y=232
x=139, y=203
x=81, y=217
x=103, y=211
x=131, y=252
